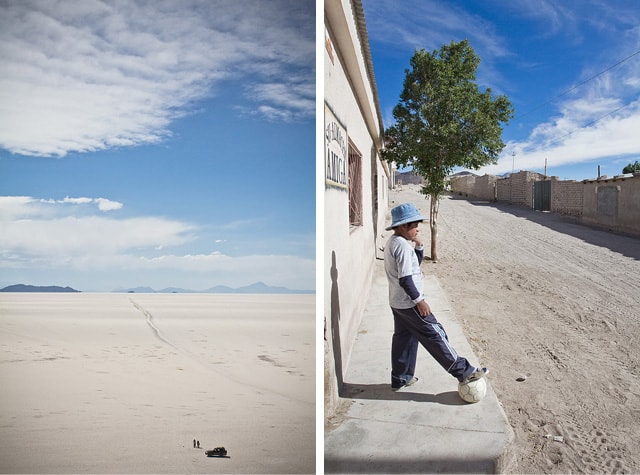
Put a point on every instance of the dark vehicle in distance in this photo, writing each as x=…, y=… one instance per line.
x=217, y=452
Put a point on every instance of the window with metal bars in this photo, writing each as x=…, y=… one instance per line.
x=355, y=186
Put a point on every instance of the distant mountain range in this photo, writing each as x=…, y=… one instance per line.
x=37, y=288
x=257, y=288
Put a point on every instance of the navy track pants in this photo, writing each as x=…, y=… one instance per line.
x=411, y=329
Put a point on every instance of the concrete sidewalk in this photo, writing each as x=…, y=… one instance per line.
x=425, y=428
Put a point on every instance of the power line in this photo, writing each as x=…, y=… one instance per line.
x=577, y=86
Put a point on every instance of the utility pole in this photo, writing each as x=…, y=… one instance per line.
x=513, y=168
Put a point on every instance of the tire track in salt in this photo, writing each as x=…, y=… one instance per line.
x=156, y=331
x=158, y=334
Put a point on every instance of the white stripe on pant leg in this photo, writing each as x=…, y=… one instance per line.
x=443, y=336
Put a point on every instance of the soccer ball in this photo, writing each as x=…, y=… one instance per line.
x=474, y=390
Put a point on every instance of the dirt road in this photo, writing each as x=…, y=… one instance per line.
x=553, y=308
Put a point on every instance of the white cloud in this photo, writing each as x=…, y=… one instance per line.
x=74, y=200
x=609, y=140
x=65, y=239
x=103, y=203
x=225, y=264
x=107, y=205
x=72, y=238
x=283, y=101
x=61, y=230
x=88, y=75
x=27, y=206
x=600, y=121
x=15, y=207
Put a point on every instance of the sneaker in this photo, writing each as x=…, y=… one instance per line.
x=477, y=374
x=413, y=381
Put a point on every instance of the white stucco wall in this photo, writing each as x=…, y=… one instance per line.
x=349, y=251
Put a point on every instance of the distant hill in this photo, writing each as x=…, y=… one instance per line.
x=257, y=288
x=37, y=288
x=408, y=178
x=463, y=173
x=220, y=289
x=176, y=290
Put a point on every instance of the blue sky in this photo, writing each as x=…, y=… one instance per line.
x=552, y=59
x=157, y=143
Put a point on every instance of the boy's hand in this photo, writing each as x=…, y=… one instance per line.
x=423, y=308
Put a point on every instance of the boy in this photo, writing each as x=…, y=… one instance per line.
x=413, y=320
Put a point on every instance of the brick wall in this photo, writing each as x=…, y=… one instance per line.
x=485, y=187
x=503, y=188
x=479, y=187
x=566, y=197
x=463, y=185
x=612, y=203
x=517, y=189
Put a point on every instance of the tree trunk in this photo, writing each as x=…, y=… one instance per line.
x=433, y=224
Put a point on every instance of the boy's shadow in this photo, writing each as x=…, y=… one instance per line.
x=384, y=392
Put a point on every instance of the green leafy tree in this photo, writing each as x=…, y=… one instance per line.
x=632, y=167
x=443, y=121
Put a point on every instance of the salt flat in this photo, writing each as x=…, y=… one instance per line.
x=123, y=383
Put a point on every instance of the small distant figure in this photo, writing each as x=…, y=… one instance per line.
x=194, y=443
x=198, y=444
